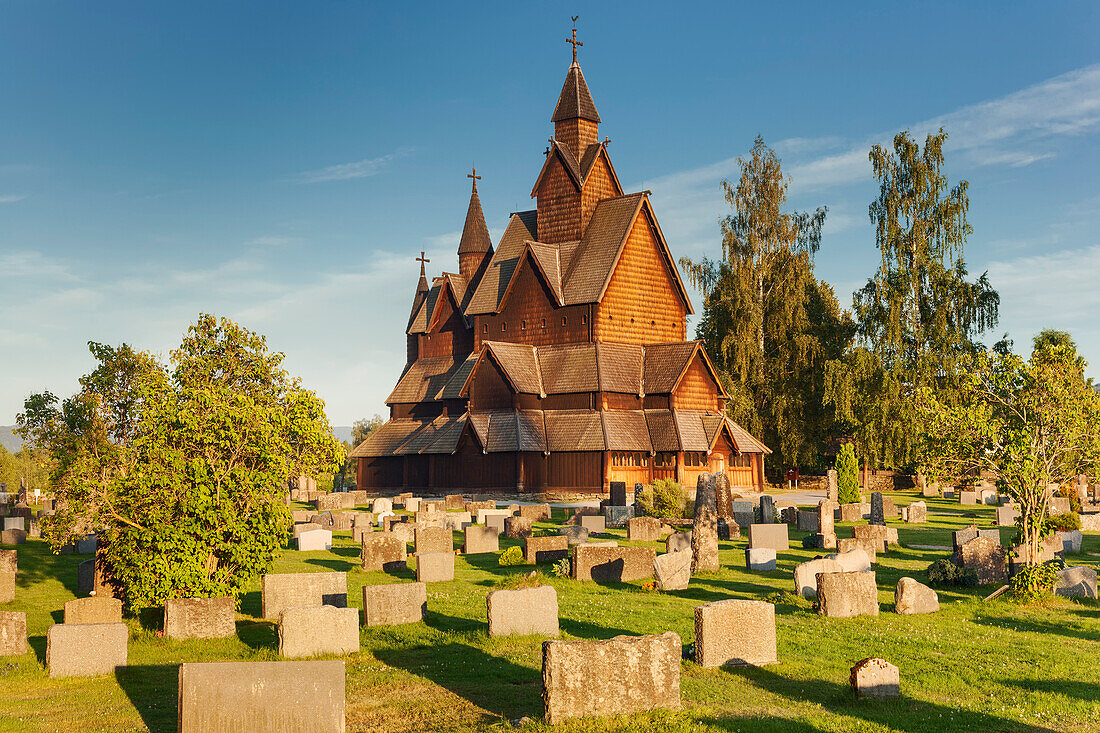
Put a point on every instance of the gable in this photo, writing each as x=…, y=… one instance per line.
x=488, y=387
x=494, y=282
x=697, y=389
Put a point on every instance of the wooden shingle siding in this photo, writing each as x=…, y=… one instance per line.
x=488, y=388
x=599, y=185
x=640, y=305
x=559, y=206
x=697, y=390
x=576, y=134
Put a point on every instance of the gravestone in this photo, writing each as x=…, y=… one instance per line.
x=535, y=512
x=735, y=633
x=826, y=522
x=866, y=546
x=912, y=597
x=988, y=497
x=545, y=549
x=773, y=536
x=394, y=604
x=767, y=509
x=308, y=632
x=412, y=504
x=1059, y=505
x=618, y=493
x=644, y=529
x=593, y=524
x=851, y=512
x=480, y=540
x=575, y=534
x=986, y=558
x=453, y=503
x=1007, y=516
x=1076, y=582
x=13, y=537
x=876, y=533
x=723, y=496
x=199, y=618
x=878, y=513
x=261, y=697
x=381, y=504
x=808, y=520
x=832, y=491
x=433, y=539
x=473, y=508
x=678, y=541
x=704, y=531
x=916, y=513
x=435, y=567
x=19, y=523
x=518, y=527
x=328, y=502
x=13, y=633
x=382, y=551
x=617, y=516
x=760, y=558
x=391, y=520
x=672, y=570
x=1071, y=541
x=315, y=539
x=844, y=595
x=93, y=610
x=8, y=567
x=968, y=497
x=85, y=650
x=789, y=515
x=403, y=531
x=287, y=590
x=586, y=678
x=851, y=560
x=876, y=678
x=385, y=519
x=805, y=575
x=482, y=514
x=523, y=611
x=612, y=564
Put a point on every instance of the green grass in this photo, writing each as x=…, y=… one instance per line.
x=992, y=666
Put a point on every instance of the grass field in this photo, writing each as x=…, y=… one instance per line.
x=983, y=666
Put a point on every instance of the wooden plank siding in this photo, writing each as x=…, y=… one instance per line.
x=559, y=206
x=641, y=304
x=600, y=184
x=449, y=337
x=697, y=389
x=529, y=315
x=489, y=390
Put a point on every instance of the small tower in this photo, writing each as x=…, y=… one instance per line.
x=422, y=290
x=475, y=247
x=576, y=122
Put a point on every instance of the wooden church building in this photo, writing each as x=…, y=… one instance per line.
x=557, y=360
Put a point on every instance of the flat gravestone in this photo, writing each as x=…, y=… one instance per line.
x=308, y=632
x=593, y=523
x=618, y=676
x=435, y=567
x=315, y=539
x=760, y=558
x=289, y=590
x=481, y=540
x=261, y=697
x=612, y=564
x=546, y=549
x=518, y=527
x=844, y=595
x=523, y=611
x=93, y=610
x=771, y=536
x=199, y=618
x=13, y=633
x=394, y=604
x=704, y=538
x=85, y=650
x=876, y=678
x=644, y=529
x=574, y=535
x=382, y=551
x=672, y=570
x=433, y=539
x=735, y=632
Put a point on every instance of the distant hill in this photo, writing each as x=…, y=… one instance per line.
x=13, y=442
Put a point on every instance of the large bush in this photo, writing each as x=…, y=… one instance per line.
x=662, y=498
x=1032, y=582
x=945, y=574
x=181, y=469
x=1066, y=522
x=847, y=475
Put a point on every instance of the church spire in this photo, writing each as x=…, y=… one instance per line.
x=575, y=117
x=475, y=244
x=421, y=287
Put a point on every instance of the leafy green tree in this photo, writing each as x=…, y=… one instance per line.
x=360, y=431
x=182, y=469
x=919, y=315
x=1032, y=424
x=847, y=478
x=768, y=324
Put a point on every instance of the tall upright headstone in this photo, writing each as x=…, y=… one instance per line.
x=767, y=509
x=878, y=515
x=832, y=490
x=704, y=537
x=618, y=493
x=826, y=517
x=723, y=495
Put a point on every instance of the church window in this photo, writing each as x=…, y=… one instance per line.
x=543, y=323
x=665, y=460
x=523, y=325
x=563, y=320
x=503, y=325
x=584, y=320
x=485, y=328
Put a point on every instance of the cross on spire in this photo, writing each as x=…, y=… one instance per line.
x=422, y=260
x=474, y=176
x=574, y=40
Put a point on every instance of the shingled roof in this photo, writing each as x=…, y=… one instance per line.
x=595, y=258
x=575, y=100
x=475, y=234
x=577, y=170
x=490, y=290
x=428, y=380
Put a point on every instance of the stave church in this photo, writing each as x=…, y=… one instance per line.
x=557, y=360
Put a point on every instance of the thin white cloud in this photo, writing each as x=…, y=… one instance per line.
x=11, y=198
x=30, y=265
x=273, y=241
x=348, y=171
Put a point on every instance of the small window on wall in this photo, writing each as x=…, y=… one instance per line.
x=665, y=460
x=485, y=328
x=584, y=319
x=523, y=325
x=563, y=320
x=543, y=323
x=503, y=326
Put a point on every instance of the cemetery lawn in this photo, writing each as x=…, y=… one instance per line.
x=975, y=665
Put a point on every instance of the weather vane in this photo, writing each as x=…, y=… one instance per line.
x=574, y=40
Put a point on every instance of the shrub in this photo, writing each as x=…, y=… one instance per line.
x=512, y=556
x=1062, y=523
x=1032, y=582
x=532, y=579
x=846, y=475
x=662, y=498
x=562, y=568
x=944, y=573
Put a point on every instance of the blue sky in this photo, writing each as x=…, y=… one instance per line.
x=283, y=164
